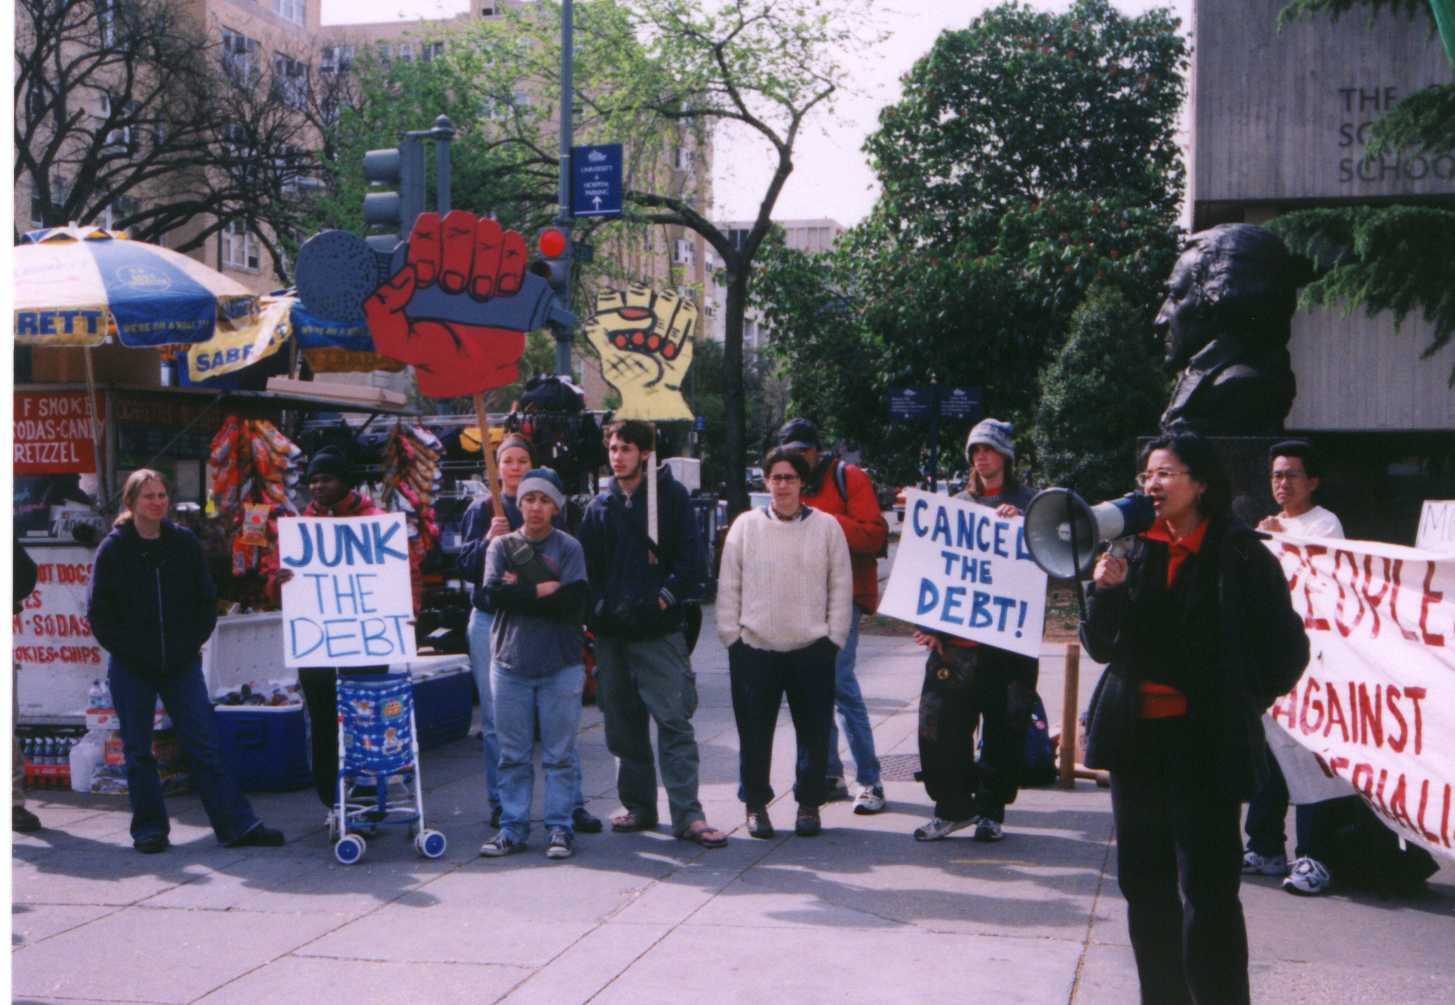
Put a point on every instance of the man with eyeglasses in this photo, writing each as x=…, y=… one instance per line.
x=1294, y=472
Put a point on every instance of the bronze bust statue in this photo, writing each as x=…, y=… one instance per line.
x=1226, y=318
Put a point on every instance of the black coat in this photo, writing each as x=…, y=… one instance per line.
x=1244, y=647
x=152, y=618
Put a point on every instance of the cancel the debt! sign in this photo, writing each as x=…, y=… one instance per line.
x=963, y=570
x=349, y=602
x=1377, y=703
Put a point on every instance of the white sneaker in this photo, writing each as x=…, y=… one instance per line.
x=1308, y=878
x=869, y=800
x=1264, y=865
x=559, y=844
x=938, y=830
x=988, y=830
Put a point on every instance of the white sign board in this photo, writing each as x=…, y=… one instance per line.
x=1376, y=705
x=349, y=601
x=963, y=570
x=1437, y=526
x=54, y=649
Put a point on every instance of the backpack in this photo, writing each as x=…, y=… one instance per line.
x=1039, y=766
x=841, y=482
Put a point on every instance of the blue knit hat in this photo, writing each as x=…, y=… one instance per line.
x=995, y=435
x=545, y=481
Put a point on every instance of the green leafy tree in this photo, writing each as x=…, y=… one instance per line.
x=1031, y=156
x=1101, y=391
x=1396, y=256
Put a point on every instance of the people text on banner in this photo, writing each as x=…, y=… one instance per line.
x=1377, y=704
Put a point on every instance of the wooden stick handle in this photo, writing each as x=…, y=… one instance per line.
x=1069, y=689
x=492, y=475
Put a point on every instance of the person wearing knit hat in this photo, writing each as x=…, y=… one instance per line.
x=332, y=462
x=535, y=586
x=969, y=685
x=478, y=528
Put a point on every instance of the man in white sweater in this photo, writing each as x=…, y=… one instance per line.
x=784, y=600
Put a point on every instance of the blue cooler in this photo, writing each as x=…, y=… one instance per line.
x=265, y=747
x=443, y=702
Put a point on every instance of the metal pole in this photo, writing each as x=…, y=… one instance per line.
x=563, y=333
x=934, y=438
x=443, y=132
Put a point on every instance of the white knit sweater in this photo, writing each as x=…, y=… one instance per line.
x=785, y=584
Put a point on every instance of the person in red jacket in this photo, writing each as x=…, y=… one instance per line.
x=331, y=479
x=845, y=492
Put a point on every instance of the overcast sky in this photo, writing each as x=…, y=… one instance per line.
x=831, y=177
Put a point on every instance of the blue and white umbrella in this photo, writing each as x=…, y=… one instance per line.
x=74, y=286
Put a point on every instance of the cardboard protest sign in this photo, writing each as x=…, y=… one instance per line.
x=1376, y=705
x=1437, y=526
x=963, y=570
x=644, y=338
x=349, y=602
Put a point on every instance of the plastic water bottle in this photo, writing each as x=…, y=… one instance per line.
x=105, y=693
x=96, y=695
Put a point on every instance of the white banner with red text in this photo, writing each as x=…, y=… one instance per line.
x=1376, y=706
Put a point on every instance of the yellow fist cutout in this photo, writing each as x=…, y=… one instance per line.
x=644, y=339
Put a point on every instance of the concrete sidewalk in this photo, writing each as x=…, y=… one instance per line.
x=861, y=914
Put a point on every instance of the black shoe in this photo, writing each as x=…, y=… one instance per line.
x=583, y=822
x=495, y=818
x=22, y=821
x=152, y=845
x=808, y=824
x=259, y=837
x=759, y=826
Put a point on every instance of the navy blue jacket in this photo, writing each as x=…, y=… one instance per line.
x=625, y=583
x=152, y=619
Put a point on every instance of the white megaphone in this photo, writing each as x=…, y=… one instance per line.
x=1063, y=531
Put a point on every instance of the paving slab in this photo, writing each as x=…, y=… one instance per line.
x=403, y=933
x=157, y=955
x=587, y=966
x=369, y=982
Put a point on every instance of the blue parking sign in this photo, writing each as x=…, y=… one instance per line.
x=596, y=180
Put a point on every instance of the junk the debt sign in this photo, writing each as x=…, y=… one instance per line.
x=348, y=602
x=963, y=570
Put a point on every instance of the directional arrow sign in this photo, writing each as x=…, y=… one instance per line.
x=596, y=180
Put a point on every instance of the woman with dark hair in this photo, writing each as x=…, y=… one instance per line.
x=152, y=606
x=784, y=598
x=1200, y=638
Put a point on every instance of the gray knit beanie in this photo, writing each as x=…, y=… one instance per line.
x=544, y=481
x=995, y=435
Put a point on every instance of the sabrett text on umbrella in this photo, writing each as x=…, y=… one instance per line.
x=74, y=322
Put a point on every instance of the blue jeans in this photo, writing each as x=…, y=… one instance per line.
x=554, y=699
x=849, y=700
x=185, y=698
x=480, y=659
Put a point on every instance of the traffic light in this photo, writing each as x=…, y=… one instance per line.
x=555, y=264
x=403, y=168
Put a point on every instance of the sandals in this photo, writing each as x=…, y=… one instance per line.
x=632, y=822
x=700, y=833
x=759, y=826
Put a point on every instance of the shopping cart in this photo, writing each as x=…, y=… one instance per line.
x=378, y=749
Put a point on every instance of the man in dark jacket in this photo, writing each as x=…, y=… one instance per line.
x=638, y=590
x=845, y=492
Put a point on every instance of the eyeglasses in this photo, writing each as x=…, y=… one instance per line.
x=783, y=479
x=1288, y=476
x=1160, y=475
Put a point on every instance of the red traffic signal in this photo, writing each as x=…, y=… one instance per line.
x=552, y=242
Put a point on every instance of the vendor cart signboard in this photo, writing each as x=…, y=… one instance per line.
x=348, y=602
x=55, y=653
x=53, y=433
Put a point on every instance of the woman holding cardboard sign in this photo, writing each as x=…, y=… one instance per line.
x=1200, y=638
x=152, y=606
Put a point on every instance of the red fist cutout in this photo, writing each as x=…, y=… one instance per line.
x=467, y=256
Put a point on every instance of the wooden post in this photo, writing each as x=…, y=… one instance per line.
x=492, y=475
x=650, y=464
x=1069, y=689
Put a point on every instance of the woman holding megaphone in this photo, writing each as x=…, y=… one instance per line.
x=1200, y=638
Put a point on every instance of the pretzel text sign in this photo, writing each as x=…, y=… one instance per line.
x=348, y=602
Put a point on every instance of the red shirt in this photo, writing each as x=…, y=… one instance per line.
x=1161, y=701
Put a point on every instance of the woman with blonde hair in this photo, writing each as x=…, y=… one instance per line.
x=152, y=606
